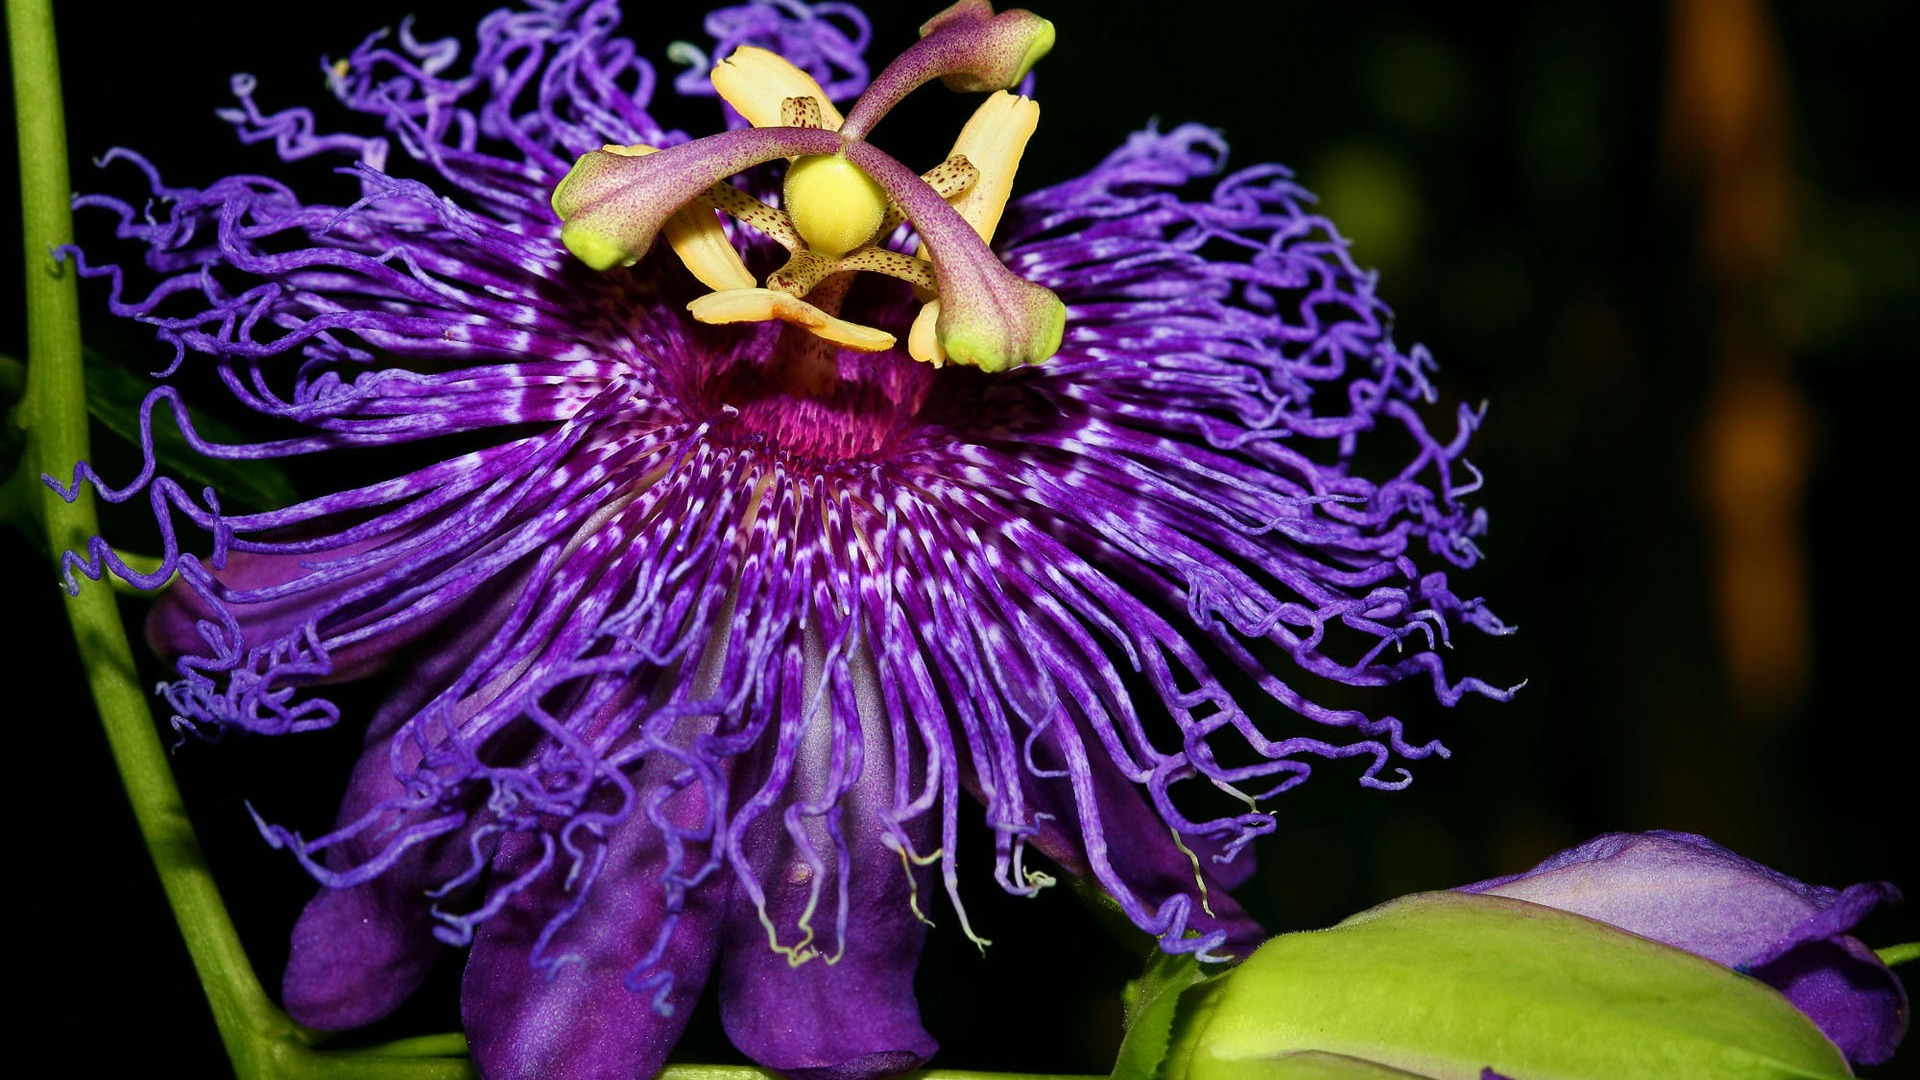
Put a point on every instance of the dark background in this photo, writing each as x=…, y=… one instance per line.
x=1679, y=263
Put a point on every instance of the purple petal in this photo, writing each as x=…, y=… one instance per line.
x=836, y=1001
x=359, y=951
x=604, y=989
x=847, y=1020
x=1676, y=888
x=1689, y=892
x=1855, y=999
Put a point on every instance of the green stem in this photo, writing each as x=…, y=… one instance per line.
x=1904, y=953
x=54, y=412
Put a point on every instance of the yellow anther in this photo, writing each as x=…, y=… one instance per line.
x=993, y=141
x=834, y=205
x=923, y=343
x=763, y=305
x=755, y=82
x=696, y=236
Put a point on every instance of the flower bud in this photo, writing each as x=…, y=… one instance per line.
x=1446, y=985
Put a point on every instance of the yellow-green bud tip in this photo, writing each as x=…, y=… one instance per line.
x=1041, y=45
x=997, y=347
x=595, y=250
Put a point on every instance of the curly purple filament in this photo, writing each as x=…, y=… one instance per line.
x=687, y=655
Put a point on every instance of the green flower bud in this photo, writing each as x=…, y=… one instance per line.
x=1445, y=985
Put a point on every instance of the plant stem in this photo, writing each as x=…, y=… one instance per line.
x=54, y=412
x=1904, y=953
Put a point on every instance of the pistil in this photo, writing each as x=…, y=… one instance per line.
x=842, y=198
x=967, y=47
x=612, y=205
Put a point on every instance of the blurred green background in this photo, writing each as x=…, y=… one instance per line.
x=1669, y=244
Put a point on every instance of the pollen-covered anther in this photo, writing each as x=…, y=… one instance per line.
x=758, y=84
x=993, y=141
x=696, y=236
x=763, y=305
x=991, y=146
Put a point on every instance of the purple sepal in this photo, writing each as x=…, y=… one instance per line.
x=850, y=1019
x=836, y=1002
x=357, y=955
x=1855, y=999
x=360, y=951
x=607, y=989
x=1686, y=891
x=279, y=597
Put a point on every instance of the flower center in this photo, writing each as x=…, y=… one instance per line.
x=842, y=200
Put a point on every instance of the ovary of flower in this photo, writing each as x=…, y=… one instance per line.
x=836, y=207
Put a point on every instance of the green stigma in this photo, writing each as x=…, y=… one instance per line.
x=595, y=250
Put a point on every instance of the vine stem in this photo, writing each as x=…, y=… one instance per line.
x=53, y=411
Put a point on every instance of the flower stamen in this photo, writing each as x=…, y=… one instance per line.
x=758, y=84
x=763, y=305
x=842, y=199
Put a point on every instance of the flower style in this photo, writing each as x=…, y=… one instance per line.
x=698, y=634
x=1686, y=891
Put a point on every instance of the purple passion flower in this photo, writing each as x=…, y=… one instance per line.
x=716, y=605
x=1689, y=892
